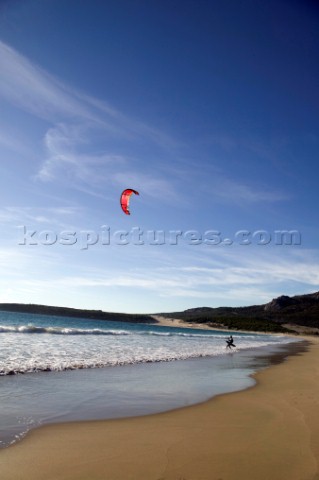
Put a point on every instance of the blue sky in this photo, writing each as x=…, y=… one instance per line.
x=208, y=109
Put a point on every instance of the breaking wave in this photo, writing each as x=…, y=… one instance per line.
x=60, y=330
x=32, y=329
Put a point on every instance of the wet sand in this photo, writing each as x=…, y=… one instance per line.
x=270, y=431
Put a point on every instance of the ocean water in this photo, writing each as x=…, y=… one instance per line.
x=34, y=343
x=60, y=369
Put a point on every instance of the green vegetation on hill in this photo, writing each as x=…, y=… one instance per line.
x=301, y=310
x=239, y=323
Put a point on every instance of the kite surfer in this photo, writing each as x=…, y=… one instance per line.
x=230, y=342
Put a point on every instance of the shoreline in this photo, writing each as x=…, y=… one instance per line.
x=266, y=431
x=127, y=390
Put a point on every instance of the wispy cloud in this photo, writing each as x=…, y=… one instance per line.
x=64, y=146
x=153, y=186
x=229, y=190
x=251, y=280
x=89, y=171
x=211, y=278
x=78, y=123
x=131, y=127
x=30, y=87
x=36, y=216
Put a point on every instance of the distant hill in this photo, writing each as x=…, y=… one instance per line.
x=75, y=312
x=299, y=314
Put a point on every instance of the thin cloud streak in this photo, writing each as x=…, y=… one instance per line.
x=65, y=160
x=232, y=191
x=33, y=89
x=56, y=217
x=247, y=280
x=205, y=282
x=77, y=119
x=76, y=116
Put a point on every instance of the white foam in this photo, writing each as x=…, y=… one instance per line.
x=59, y=330
x=31, y=348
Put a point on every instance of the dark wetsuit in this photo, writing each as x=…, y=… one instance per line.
x=230, y=342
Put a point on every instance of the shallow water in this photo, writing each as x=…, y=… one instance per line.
x=33, y=343
x=30, y=400
x=135, y=375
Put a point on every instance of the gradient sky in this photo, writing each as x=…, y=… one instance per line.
x=208, y=108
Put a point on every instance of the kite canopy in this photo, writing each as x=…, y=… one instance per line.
x=125, y=199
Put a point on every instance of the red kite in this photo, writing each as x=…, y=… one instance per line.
x=125, y=199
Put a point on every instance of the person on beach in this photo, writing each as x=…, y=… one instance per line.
x=230, y=342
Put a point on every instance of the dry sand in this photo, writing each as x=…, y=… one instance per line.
x=268, y=432
x=176, y=322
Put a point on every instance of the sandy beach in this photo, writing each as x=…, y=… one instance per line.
x=178, y=323
x=270, y=431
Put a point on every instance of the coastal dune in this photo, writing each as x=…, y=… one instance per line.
x=270, y=431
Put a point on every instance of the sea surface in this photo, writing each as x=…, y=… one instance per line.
x=60, y=368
